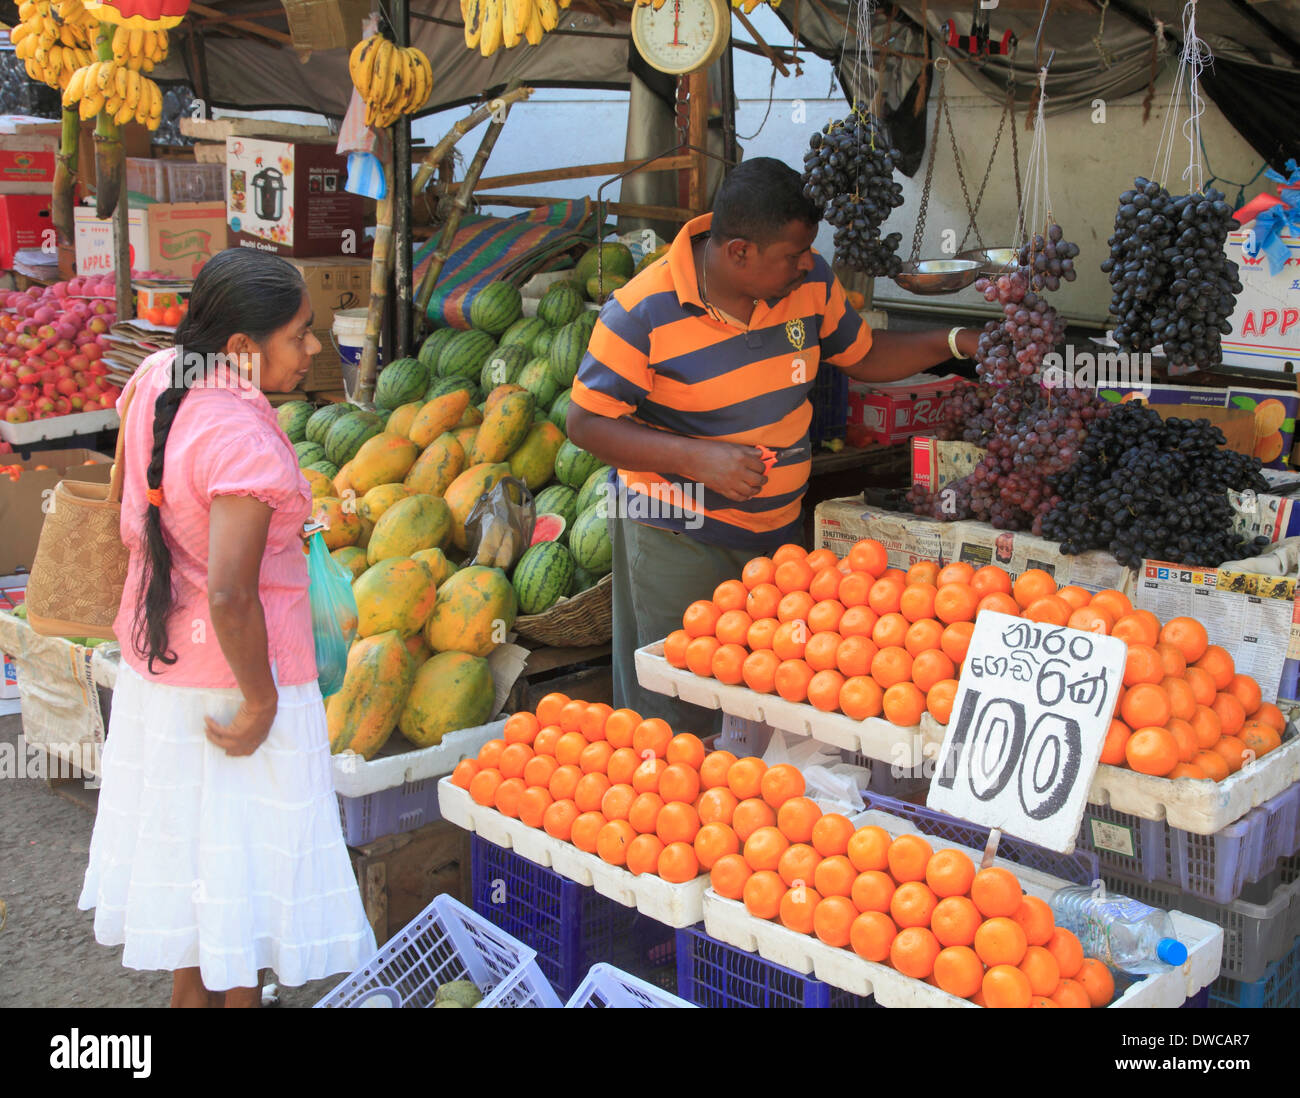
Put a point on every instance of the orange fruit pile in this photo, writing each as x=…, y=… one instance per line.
x=928, y=914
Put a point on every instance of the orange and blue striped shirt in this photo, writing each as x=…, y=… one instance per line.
x=659, y=356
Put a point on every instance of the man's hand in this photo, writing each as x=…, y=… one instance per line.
x=728, y=468
x=246, y=733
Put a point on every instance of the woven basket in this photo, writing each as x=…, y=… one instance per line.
x=584, y=619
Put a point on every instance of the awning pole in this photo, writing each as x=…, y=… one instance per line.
x=402, y=288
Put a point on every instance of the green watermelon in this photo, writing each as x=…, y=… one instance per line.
x=503, y=366
x=573, y=465
x=293, y=418
x=443, y=385
x=432, y=347
x=582, y=579
x=593, y=489
x=323, y=419
x=400, y=382
x=327, y=467
x=308, y=452
x=610, y=259
x=542, y=576
x=495, y=307
x=589, y=541
x=465, y=354
x=536, y=378
x=560, y=304
x=559, y=413
x=567, y=349
x=347, y=434
x=588, y=320
x=541, y=345
x=558, y=499
x=524, y=330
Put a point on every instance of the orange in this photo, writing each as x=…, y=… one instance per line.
x=762, y=601
x=1139, y=627
x=699, y=656
x=1245, y=690
x=833, y=920
x=890, y=631
x=761, y=633
x=559, y=818
x=733, y=627
x=700, y=618
x=619, y=726
x=932, y=667
x=590, y=791
x=1041, y=969
x=913, y=952
x=1202, y=684
x=714, y=768
x=1143, y=664
x=790, y=639
x=868, y=848
x=793, y=575
x=571, y=716
x=792, y=678
x=643, y=855
x=1112, y=748
x=991, y=580
x=1152, y=750
x=1187, y=770
x=1230, y=712
x=999, y=603
x=1070, y=993
x=861, y=697
x=872, y=936
x=687, y=749
x=678, y=864
x=996, y=892
x=595, y=757
x=548, y=709
x=679, y=782
x=1187, y=635
x=1049, y=610
x=799, y=862
x=586, y=831
x=955, y=920
x=764, y=847
x=483, y=786
x=1175, y=663
x=652, y=735
x=1097, y=981
x=909, y=857
x=717, y=806
x=645, y=778
x=675, y=645
x=834, y=876
x=1001, y=941
x=730, y=595
x=464, y=773
x=622, y=765
x=858, y=621
x=854, y=655
x=569, y=748
x=750, y=815
x=1006, y=986
x=1211, y=765
x=831, y=834
x=644, y=813
x=1077, y=597
x=1091, y=619
x=490, y=753
x=1043, y=1001
x=508, y=795
x=1113, y=602
x=612, y=841
x=912, y=905
x=959, y=571
x=759, y=671
x=1145, y=704
x=1233, y=752
x=1206, y=726
x=824, y=617
x=956, y=639
x=903, y=704
x=759, y=570
x=1067, y=950
x=885, y=596
x=821, y=651
x=677, y=823
x=533, y=804
x=855, y=589
x=1184, y=737
x=958, y=971
x=745, y=777
x=923, y=571
x=923, y=635
x=728, y=876
x=868, y=555
x=593, y=721
x=1218, y=664
x=891, y=665
x=781, y=782
x=872, y=891
x=1259, y=737
x=940, y=698
x=521, y=728
x=1182, y=700
x=917, y=601
x=826, y=583
x=1031, y=585
x=797, y=817
x=956, y=602
x=1270, y=714
x=617, y=802
x=763, y=893
x=949, y=873
x=789, y=551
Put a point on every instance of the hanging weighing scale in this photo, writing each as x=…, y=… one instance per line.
x=681, y=36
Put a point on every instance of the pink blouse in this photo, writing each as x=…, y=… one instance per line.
x=223, y=442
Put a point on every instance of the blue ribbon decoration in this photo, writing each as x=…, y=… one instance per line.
x=1271, y=224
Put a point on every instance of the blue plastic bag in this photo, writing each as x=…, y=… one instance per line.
x=333, y=614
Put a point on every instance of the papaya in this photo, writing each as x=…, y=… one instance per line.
x=384, y=459
x=471, y=417
x=343, y=482
x=474, y=611
x=399, y=423
x=451, y=690
x=438, y=415
x=504, y=427
x=442, y=462
x=397, y=593
x=499, y=393
x=361, y=716
x=465, y=436
x=417, y=522
x=367, y=528
x=419, y=649
x=533, y=461
x=320, y=484
x=344, y=524
x=378, y=500
x=438, y=564
x=463, y=493
x=353, y=558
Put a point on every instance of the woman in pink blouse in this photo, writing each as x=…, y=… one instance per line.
x=217, y=849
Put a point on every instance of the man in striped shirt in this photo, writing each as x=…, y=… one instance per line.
x=707, y=355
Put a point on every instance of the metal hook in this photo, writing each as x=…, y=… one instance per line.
x=1038, y=38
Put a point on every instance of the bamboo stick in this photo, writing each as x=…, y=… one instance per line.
x=110, y=161
x=580, y=171
x=768, y=52
x=623, y=209
x=65, y=175
x=368, y=369
x=436, y=154
x=242, y=24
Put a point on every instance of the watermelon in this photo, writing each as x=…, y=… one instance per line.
x=593, y=489
x=327, y=467
x=582, y=579
x=465, y=353
x=573, y=465
x=548, y=527
x=524, y=331
x=323, y=419
x=400, y=382
x=495, y=307
x=588, y=319
x=432, y=347
x=590, y=543
x=308, y=452
x=561, y=304
x=558, y=499
x=542, y=576
x=609, y=259
x=567, y=349
x=541, y=345
x=503, y=366
x=347, y=434
x=536, y=378
x=444, y=385
x=559, y=413
x=293, y=418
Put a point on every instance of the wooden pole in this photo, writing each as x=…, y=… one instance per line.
x=697, y=88
x=435, y=155
x=579, y=171
x=402, y=275
x=122, y=257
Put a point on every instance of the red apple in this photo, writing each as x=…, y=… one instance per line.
x=9, y=380
x=98, y=325
x=77, y=401
x=44, y=405
x=28, y=392
x=92, y=351
x=17, y=414
x=66, y=386
x=62, y=406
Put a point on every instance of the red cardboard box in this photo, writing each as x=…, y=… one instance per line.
x=893, y=411
x=23, y=220
x=27, y=159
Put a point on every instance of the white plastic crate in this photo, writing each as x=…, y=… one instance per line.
x=147, y=177
x=607, y=986
x=190, y=182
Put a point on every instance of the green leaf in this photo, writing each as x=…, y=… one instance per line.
x=1244, y=402
x=1110, y=395
x=1288, y=426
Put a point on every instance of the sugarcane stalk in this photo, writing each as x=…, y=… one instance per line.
x=65, y=175
x=380, y=263
x=110, y=160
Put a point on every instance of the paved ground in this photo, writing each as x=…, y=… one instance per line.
x=48, y=953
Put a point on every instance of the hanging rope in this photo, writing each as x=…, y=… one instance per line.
x=771, y=92
x=1241, y=187
x=1038, y=192
x=1098, y=39
x=1191, y=62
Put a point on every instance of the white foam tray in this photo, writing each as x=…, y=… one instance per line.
x=355, y=777
x=75, y=423
x=873, y=737
x=729, y=922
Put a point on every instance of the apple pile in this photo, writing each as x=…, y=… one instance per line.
x=52, y=342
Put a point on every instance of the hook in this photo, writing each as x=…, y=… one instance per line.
x=1038, y=38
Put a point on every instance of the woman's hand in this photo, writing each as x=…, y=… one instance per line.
x=244, y=734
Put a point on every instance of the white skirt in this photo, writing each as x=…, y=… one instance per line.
x=229, y=865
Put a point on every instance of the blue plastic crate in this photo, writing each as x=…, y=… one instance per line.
x=1081, y=867
x=571, y=927
x=390, y=811
x=830, y=405
x=1279, y=987
x=1127, y=844
x=607, y=986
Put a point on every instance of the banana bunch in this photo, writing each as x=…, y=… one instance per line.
x=119, y=90
x=393, y=80
x=51, y=49
x=491, y=24
x=138, y=49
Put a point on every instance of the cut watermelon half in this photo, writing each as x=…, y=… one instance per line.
x=548, y=527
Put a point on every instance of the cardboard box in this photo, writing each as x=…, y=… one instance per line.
x=1266, y=322
x=22, y=502
x=27, y=159
x=334, y=284
x=94, y=241
x=1189, y=402
x=937, y=463
x=170, y=238
x=1273, y=412
x=897, y=410
x=289, y=198
x=24, y=223
x=326, y=372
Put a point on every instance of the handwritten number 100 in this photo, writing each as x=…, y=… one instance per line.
x=991, y=740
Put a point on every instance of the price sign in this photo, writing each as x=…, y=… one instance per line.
x=1033, y=705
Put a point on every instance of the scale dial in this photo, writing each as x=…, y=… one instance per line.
x=681, y=35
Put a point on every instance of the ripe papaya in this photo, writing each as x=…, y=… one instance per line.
x=442, y=462
x=438, y=564
x=463, y=493
x=344, y=524
x=353, y=558
x=419, y=649
x=451, y=690
x=417, y=522
x=499, y=393
x=378, y=500
x=471, y=417
x=343, y=482
x=504, y=427
x=465, y=436
x=399, y=423
x=533, y=461
x=474, y=612
x=320, y=484
x=438, y=415
x=361, y=716
x=397, y=593
x=384, y=459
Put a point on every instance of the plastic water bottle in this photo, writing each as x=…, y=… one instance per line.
x=1121, y=933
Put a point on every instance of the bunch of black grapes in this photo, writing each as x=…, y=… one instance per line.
x=1050, y=259
x=1171, y=282
x=1146, y=487
x=849, y=172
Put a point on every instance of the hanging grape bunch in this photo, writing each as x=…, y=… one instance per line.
x=849, y=172
x=1171, y=282
x=1014, y=348
x=1050, y=260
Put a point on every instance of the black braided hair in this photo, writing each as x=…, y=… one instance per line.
x=237, y=291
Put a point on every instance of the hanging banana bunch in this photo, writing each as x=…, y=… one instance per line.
x=491, y=24
x=51, y=48
x=393, y=80
x=121, y=91
x=138, y=49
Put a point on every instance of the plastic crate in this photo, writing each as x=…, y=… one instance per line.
x=830, y=405
x=188, y=182
x=1080, y=867
x=390, y=811
x=1125, y=844
x=147, y=178
x=1198, y=1001
x=446, y=942
x=713, y=974
x=607, y=986
x=1278, y=987
x=571, y=927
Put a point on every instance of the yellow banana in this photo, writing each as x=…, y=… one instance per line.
x=85, y=110
x=133, y=86
x=112, y=105
x=533, y=31
x=121, y=40
x=155, y=102
x=523, y=10
x=67, y=35
x=369, y=61
x=123, y=115
x=382, y=79
x=549, y=13
x=490, y=41
x=104, y=75
x=471, y=12
x=19, y=31
x=354, y=59
x=426, y=80
x=26, y=10
x=119, y=85
x=135, y=44
x=510, y=32
x=73, y=91
x=146, y=65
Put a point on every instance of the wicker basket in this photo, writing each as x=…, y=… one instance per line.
x=584, y=619
x=325, y=24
